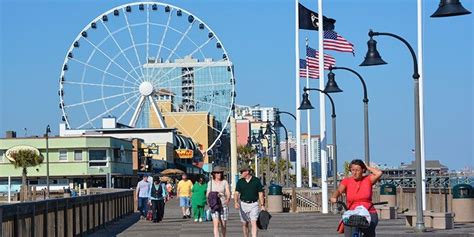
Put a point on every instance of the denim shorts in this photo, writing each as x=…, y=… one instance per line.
x=184, y=202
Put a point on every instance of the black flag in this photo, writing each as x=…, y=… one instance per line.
x=308, y=20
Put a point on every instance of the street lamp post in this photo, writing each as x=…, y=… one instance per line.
x=306, y=104
x=48, y=130
x=373, y=58
x=269, y=131
x=330, y=88
x=450, y=8
x=278, y=123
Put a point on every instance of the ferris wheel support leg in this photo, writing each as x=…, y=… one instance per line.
x=157, y=112
x=139, y=108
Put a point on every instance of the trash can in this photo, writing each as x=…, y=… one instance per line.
x=463, y=203
x=388, y=193
x=275, y=199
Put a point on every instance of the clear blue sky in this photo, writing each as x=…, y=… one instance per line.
x=259, y=36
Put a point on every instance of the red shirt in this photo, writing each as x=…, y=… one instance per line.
x=359, y=192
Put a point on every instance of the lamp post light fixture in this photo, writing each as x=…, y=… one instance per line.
x=332, y=87
x=278, y=123
x=373, y=58
x=448, y=8
x=306, y=104
x=48, y=130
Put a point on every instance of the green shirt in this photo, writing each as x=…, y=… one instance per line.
x=199, y=194
x=249, y=190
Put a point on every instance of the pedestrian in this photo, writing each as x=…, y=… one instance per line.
x=248, y=198
x=198, y=200
x=143, y=190
x=218, y=185
x=184, y=193
x=158, y=194
x=358, y=189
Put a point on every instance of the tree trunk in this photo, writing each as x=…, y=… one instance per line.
x=24, y=191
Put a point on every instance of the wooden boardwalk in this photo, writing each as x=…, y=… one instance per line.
x=282, y=224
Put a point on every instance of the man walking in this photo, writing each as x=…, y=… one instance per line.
x=248, y=198
x=143, y=190
x=184, y=193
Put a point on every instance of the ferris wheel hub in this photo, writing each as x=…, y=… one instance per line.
x=146, y=88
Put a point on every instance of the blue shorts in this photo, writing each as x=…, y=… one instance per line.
x=184, y=202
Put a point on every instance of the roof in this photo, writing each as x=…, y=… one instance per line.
x=429, y=164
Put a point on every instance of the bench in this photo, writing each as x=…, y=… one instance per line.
x=386, y=212
x=435, y=220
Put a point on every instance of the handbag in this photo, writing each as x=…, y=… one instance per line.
x=208, y=215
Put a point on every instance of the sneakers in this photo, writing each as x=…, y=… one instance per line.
x=185, y=217
x=189, y=216
x=200, y=219
x=195, y=220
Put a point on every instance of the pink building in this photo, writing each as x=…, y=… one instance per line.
x=243, y=131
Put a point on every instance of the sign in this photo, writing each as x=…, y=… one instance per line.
x=17, y=148
x=185, y=153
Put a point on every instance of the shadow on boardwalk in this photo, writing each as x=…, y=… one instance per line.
x=282, y=224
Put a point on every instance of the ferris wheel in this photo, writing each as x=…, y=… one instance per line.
x=148, y=64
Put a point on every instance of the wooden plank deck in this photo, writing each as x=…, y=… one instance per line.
x=282, y=224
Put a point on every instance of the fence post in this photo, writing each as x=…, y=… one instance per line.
x=293, y=199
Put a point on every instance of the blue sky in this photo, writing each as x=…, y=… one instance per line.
x=259, y=36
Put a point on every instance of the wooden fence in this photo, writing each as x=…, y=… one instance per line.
x=64, y=217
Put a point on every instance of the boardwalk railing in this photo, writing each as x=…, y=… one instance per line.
x=76, y=216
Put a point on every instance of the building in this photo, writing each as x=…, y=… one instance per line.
x=73, y=162
x=197, y=114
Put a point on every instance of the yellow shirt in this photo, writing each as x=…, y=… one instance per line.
x=184, y=188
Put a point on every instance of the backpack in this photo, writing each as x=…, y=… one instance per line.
x=214, y=200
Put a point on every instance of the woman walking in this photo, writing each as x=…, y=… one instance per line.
x=358, y=189
x=158, y=194
x=198, y=200
x=219, y=188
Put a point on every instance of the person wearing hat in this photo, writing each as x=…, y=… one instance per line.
x=143, y=189
x=249, y=200
x=220, y=186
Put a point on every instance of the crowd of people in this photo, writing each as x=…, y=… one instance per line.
x=154, y=192
x=248, y=197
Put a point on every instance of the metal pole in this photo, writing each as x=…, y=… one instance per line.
x=334, y=175
x=256, y=162
x=420, y=225
x=270, y=158
x=287, y=181
x=47, y=162
x=366, y=132
x=9, y=188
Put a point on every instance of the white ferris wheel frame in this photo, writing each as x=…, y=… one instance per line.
x=141, y=99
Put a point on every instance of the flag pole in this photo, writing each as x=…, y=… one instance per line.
x=297, y=87
x=421, y=79
x=308, y=139
x=322, y=112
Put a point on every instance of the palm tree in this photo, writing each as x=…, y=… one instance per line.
x=245, y=154
x=347, y=169
x=25, y=158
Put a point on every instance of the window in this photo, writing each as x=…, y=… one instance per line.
x=77, y=154
x=2, y=152
x=97, y=158
x=62, y=154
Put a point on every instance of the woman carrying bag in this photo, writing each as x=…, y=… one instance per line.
x=218, y=198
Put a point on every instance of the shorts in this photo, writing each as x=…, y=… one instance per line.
x=184, y=202
x=249, y=212
x=224, y=213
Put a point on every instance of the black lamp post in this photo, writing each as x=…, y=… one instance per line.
x=279, y=124
x=269, y=131
x=306, y=104
x=373, y=58
x=448, y=8
x=334, y=88
x=48, y=130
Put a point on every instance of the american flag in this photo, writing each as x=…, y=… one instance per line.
x=333, y=41
x=312, y=57
x=313, y=72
